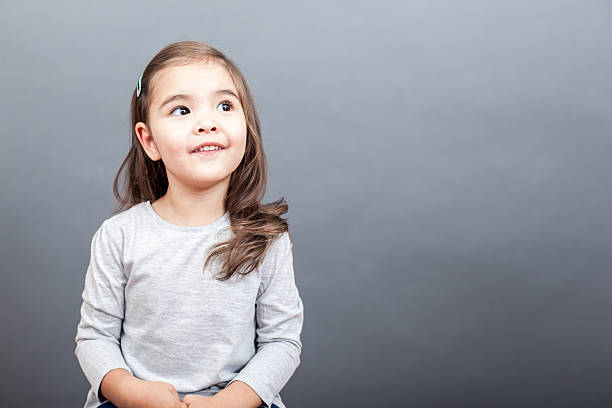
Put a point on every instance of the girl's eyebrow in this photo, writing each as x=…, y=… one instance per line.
x=191, y=97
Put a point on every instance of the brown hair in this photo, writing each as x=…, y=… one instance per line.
x=254, y=225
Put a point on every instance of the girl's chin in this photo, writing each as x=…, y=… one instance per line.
x=210, y=180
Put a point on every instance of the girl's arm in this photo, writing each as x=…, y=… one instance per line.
x=237, y=394
x=97, y=340
x=125, y=390
x=280, y=316
x=118, y=386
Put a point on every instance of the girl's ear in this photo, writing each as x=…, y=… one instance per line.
x=146, y=140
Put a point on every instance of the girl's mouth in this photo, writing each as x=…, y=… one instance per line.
x=207, y=152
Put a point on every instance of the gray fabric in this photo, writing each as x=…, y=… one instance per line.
x=148, y=307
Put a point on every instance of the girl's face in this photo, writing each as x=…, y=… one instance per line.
x=192, y=105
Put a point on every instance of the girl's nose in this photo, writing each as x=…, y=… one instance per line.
x=208, y=129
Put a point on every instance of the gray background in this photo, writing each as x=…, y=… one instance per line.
x=446, y=164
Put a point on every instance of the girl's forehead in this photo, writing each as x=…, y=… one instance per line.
x=193, y=75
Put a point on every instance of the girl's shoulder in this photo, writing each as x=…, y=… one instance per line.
x=278, y=250
x=277, y=262
x=127, y=219
x=282, y=242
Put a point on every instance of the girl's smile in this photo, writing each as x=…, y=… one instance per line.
x=206, y=153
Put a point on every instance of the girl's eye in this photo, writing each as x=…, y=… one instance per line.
x=177, y=108
x=227, y=103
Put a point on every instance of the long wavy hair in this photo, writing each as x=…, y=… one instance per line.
x=253, y=225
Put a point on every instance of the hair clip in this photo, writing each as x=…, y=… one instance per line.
x=139, y=87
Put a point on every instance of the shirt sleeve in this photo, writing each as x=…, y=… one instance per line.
x=280, y=315
x=97, y=340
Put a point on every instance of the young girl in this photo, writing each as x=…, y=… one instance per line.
x=189, y=298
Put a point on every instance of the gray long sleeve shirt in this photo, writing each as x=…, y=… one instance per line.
x=149, y=308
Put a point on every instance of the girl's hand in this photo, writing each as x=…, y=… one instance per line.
x=156, y=394
x=198, y=401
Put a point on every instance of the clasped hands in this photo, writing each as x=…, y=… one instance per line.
x=159, y=394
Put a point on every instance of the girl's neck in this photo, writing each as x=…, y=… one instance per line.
x=190, y=210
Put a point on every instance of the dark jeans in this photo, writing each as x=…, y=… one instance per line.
x=109, y=404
